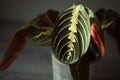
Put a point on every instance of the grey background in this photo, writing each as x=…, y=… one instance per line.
x=35, y=61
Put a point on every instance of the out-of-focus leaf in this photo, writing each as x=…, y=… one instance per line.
x=43, y=28
x=110, y=21
x=97, y=39
x=114, y=31
x=38, y=29
x=80, y=69
x=16, y=46
x=106, y=17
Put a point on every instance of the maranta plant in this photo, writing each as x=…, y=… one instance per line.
x=71, y=36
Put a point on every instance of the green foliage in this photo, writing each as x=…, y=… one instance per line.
x=71, y=35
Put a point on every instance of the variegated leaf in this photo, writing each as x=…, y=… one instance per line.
x=43, y=28
x=37, y=31
x=71, y=35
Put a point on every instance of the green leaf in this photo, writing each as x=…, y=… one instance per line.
x=71, y=35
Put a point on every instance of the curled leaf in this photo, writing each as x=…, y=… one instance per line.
x=110, y=21
x=96, y=37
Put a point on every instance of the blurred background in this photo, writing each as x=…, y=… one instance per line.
x=35, y=61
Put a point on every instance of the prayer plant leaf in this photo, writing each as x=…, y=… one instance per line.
x=110, y=21
x=37, y=31
x=71, y=35
x=43, y=28
x=15, y=47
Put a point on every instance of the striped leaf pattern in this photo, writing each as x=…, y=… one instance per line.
x=40, y=36
x=71, y=35
x=42, y=28
x=38, y=31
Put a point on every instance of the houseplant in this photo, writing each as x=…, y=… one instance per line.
x=34, y=34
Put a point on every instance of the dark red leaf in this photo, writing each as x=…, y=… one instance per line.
x=97, y=39
x=15, y=48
